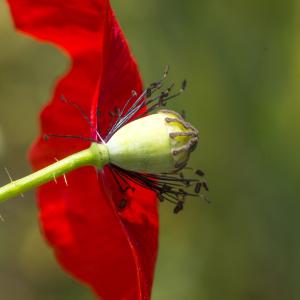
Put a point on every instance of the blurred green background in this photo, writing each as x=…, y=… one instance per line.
x=242, y=62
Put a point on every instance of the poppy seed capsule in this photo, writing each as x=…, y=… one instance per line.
x=158, y=143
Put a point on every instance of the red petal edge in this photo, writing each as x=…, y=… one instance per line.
x=114, y=252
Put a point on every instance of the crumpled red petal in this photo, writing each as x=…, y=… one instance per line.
x=110, y=250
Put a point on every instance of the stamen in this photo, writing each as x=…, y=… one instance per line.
x=115, y=176
x=120, y=121
x=123, y=190
x=205, y=185
x=178, y=207
x=128, y=112
x=126, y=115
x=162, y=101
x=68, y=136
x=80, y=110
x=198, y=187
x=183, y=84
x=133, y=95
x=174, y=188
x=161, y=198
x=199, y=173
x=168, y=187
x=122, y=204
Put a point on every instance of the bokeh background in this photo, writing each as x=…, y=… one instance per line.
x=242, y=62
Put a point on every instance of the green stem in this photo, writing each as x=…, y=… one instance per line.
x=96, y=155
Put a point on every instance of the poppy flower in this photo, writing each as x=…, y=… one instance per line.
x=102, y=225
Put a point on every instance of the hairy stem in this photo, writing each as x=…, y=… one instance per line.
x=96, y=155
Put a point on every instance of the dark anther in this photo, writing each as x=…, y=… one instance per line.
x=98, y=112
x=187, y=182
x=153, y=85
x=166, y=188
x=182, y=191
x=183, y=85
x=200, y=173
x=205, y=185
x=160, y=197
x=198, y=187
x=122, y=203
x=170, y=87
x=161, y=100
x=180, y=165
x=117, y=111
x=46, y=137
x=178, y=207
x=148, y=92
x=165, y=94
x=158, y=85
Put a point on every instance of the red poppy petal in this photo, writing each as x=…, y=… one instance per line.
x=113, y=251
x=120, y=80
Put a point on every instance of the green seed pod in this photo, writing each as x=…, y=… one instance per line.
x=158, y=143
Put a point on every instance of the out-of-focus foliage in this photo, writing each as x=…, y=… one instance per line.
x=242, y=62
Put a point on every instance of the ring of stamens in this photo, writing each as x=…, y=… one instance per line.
x=174, y=188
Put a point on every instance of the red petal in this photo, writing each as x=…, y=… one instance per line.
x=114, y=252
